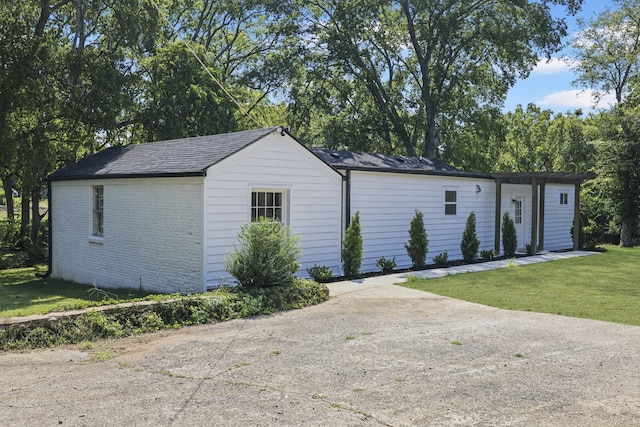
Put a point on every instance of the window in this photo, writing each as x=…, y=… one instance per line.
x=518, y=213
x=450, y=202
x=98, y=210
x=267, y=204
x=564, y=199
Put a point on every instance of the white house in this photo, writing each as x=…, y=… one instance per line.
x=162, y=216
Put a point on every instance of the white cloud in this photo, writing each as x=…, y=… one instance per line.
x=577, y=99
x=552, y=66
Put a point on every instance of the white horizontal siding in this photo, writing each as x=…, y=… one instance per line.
x=275, y=162
x=152, y=234
x=387, y=202
x=558, y=219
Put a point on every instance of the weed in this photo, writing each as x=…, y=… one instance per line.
x=518, y=355
x=456, y=343
x=359, y=390
x=275, y=353
x=350, y=337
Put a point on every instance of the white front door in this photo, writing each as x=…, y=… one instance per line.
x=518, y=219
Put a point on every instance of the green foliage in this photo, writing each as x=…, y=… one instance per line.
x=470, y=243
x=320, y=273
x=386, y=265
x=487, y=254
x=509, y=236
x=418, y=245
x=352, y=247
x=220, y=305
x=267, y=254
x=442, y=258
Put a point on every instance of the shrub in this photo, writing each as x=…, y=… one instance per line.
x=267, y=256
x=441, y=259
x=320, y=273
x=470, y=243
x=487, y=255
x=509, y=236
x=352, y=247
x=418, y=245
x=386, y=265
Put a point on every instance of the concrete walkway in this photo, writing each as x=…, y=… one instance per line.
x=383, y=286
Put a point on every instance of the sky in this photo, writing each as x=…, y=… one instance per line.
x=549, y=84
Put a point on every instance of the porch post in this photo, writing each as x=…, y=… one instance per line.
x=576, y=218
x=534, y=216
x=541, y=225
x=497, y=232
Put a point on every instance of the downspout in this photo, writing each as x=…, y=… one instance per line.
x=49, y=235
x=347, y=202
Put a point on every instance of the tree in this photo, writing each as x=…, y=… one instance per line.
x=470, y=243
x=352, y=247
x=422, y=61
x=509, y=236
x=607, y=51
x=418, y=244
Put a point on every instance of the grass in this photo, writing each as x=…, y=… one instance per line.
x=600, y=287
x=23, y=294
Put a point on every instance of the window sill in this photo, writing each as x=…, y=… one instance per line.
x=96, y=239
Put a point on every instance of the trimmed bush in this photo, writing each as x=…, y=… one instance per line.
x=470, y=243
x=267, y=256
x=352, y=247
x=509, y=236
x=418, y=245
x=386, y=265
x=441, y=259
x=320, y=273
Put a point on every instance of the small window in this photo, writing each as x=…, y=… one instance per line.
x=450, y=202
x=98, y=210
x=267, y=204
x=564, y=198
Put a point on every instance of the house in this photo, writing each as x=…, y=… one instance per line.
x=162, y=216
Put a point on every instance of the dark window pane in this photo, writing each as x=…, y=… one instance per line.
x=261, y=199
x=278, y=201
x=450, y=209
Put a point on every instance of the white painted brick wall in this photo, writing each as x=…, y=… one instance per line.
x=152, y=234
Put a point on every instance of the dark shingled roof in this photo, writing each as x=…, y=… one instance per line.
x=388, y=163
x=178, y=157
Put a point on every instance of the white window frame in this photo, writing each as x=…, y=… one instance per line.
x=517, y=211
x=451, y=203
x=97, y=229
x=564, y=198
x=268, y=205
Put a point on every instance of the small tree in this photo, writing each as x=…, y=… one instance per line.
x=470, y=243
x=267, y=256
x=509, y=236
x=418, y=244
x=352, y=247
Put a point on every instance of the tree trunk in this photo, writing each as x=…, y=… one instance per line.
x=8, y=192
x=626, y=234
x=431, y=137
x=25, y=215
x=35, y=215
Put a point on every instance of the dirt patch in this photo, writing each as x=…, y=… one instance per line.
x=404, y=360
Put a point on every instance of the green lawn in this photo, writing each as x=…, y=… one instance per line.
x=22, y=294
x=602, y=287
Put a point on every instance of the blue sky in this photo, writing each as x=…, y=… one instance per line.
x=549, y=84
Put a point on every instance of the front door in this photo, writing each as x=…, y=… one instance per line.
x=518, y=219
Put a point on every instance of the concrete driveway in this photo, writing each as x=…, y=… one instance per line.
x=378, y=355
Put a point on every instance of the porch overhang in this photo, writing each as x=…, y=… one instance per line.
x=538, y=181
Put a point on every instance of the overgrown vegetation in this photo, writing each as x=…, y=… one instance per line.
x=470, y=243
x=222, y=304
x=418, y=245
x=441, y=259
x=601, y=287
x=352, y=247
x=17, y=249
x=267, y=254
